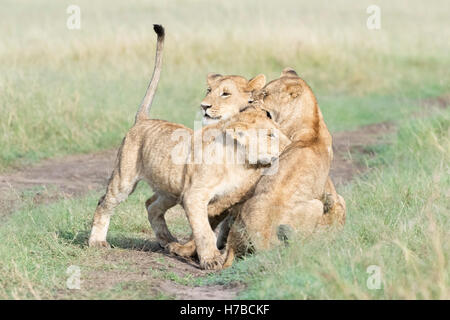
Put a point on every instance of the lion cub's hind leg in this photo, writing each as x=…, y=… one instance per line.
x=157, y=206
x=303, y=219
x=328, y=202
x=120, y=186
x=335, y=217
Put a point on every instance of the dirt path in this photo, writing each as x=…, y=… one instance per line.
x=347, y=144
x=148, y=270
x=76, y=175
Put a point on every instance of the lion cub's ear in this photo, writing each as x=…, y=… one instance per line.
x=293, y=87
x=288, y=72
x=211, y=77
x=256, y=83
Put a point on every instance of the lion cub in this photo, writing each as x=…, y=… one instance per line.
x=151, y=151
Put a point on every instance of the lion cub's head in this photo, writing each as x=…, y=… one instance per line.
x=255, y=131
x=227, y=95
x=281, y=91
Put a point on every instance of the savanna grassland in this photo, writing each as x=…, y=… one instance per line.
x=66, y=92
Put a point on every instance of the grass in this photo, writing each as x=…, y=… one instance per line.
x=397, y=220
x=40, y=243
x=65, y=92
x=76, y=91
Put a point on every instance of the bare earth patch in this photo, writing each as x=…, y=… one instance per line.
x=441, y=102
x=154, y=275
x=54, y=178
x=348, y=143
x=76, y=175
x=148, y=266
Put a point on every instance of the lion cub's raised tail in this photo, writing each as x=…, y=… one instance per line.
x=142, y=113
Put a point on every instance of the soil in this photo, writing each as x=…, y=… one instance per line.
x=441, y=102
x=55, y=178
x=78, y=174
x=74, y=176
x=348, y=144
x=144, y=269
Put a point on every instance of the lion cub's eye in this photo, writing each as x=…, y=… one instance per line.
x=225, y=94
x=208, y=90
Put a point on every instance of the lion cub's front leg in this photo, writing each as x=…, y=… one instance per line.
x=196, y=207
x=188, y=249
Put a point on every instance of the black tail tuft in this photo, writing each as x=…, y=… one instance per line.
x=159, y=29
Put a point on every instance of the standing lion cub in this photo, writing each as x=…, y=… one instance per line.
x=228, y=169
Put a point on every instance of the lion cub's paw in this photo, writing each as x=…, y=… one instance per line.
x=328, y=202
x=171, y=247
x=182, y=250
x=214, y=263
x=99, y=244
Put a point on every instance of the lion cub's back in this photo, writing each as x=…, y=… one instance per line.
x=165, y=149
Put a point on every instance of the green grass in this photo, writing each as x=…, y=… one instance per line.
x=397, y=220
x=76, y=91
x=65, y=92
x=38, y=244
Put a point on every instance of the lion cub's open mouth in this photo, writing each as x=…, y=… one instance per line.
x=207, y=116
x=207, y=119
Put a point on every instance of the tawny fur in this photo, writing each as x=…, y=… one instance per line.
x=303, y=124
x=147, y=154
x=227, y=95
x=217, y=107
x=291, y=196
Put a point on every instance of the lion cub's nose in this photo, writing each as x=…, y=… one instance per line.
x=205, y=106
